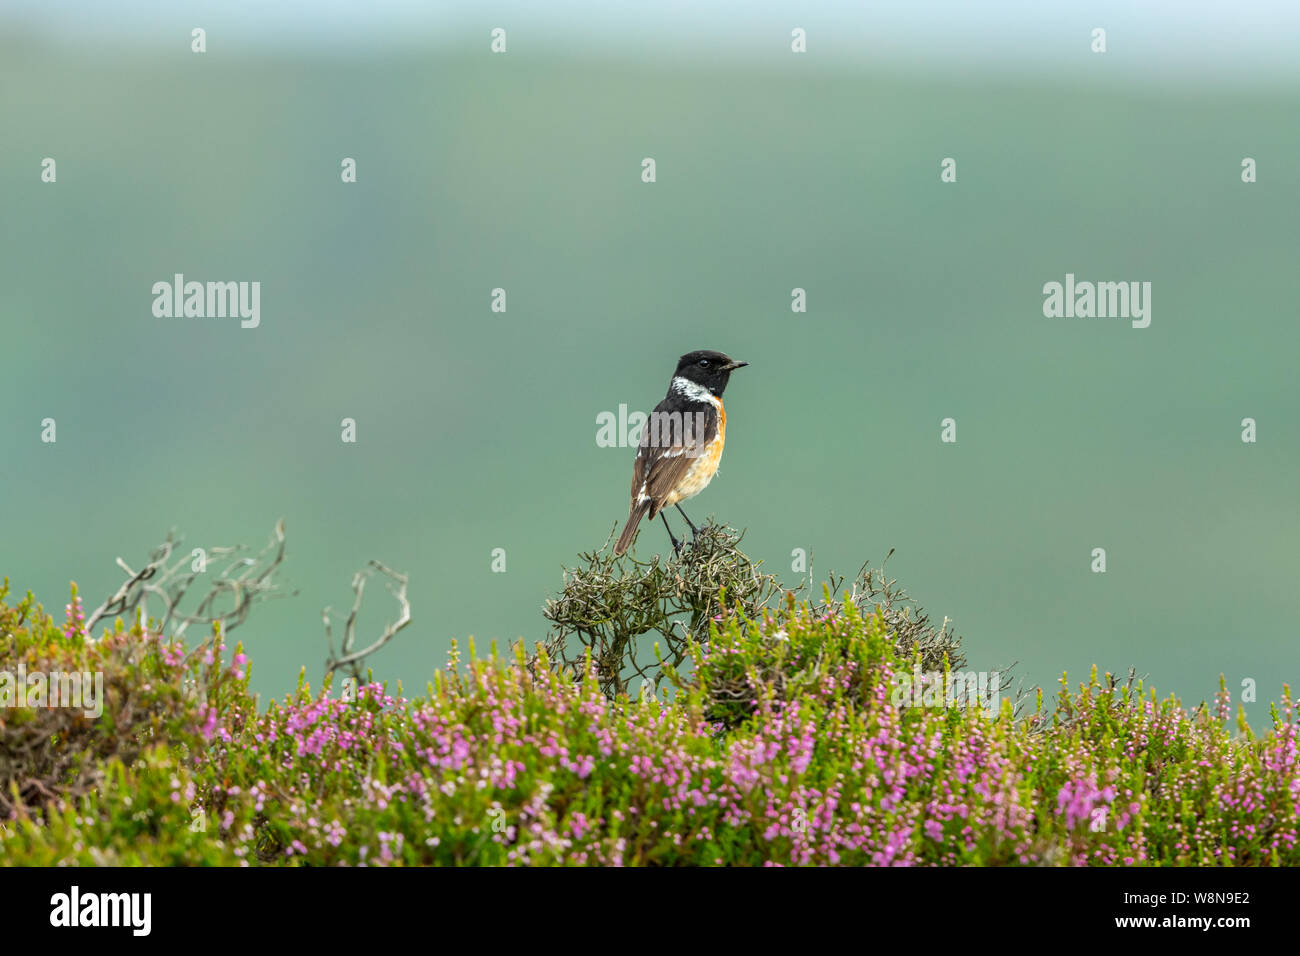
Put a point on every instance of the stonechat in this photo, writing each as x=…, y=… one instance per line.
x=681, y=444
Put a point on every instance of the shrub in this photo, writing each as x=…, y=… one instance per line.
x=50, y=753
x=785, y=744
x=611, y=606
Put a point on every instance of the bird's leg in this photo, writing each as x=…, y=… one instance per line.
x=695, y=532
x=677, y=545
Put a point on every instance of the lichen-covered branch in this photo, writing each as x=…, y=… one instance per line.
x=349, y=659
x=611, y=607
x=168, y=577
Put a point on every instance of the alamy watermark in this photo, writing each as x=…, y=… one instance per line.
x=1099, y=300
x=211, y=300
x=129, y=910
x=929, y=689
x=77, y=690
x=684, y=430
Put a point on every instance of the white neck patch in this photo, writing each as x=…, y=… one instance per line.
x=696, y=393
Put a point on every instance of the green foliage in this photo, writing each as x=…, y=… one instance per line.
x=142, y=704
x=610, y=607
x=48, y=752
x=793, y=739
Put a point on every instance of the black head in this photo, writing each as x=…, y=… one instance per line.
x=709, y=369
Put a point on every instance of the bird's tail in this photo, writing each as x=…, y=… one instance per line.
x=629, y=530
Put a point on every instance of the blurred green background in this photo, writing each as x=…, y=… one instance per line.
x=477, y=429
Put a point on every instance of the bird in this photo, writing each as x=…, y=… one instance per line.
x=681, y=443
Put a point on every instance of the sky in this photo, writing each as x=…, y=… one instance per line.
x=1189, y=40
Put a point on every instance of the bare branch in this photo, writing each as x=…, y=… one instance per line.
x=608, y=603
x=170, y=584
x=350, y=659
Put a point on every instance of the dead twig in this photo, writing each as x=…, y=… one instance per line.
x=350, y=659
x=245, y=580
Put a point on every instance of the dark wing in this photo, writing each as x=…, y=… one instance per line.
x=677, y=432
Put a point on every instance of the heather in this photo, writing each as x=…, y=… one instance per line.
x=775, y=740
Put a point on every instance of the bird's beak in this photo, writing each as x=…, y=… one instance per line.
x=733, y=366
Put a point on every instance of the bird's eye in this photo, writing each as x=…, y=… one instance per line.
x=704, y=363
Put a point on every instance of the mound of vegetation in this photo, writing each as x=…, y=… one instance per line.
x=784, y=732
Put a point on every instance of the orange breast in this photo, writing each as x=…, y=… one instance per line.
x=702, y=469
